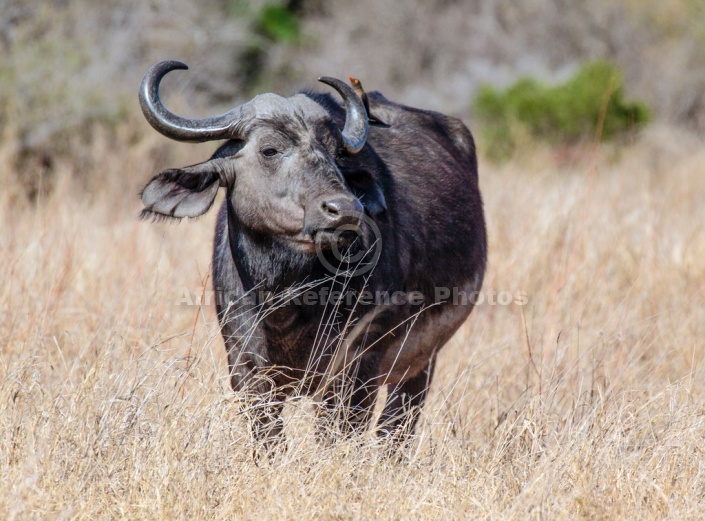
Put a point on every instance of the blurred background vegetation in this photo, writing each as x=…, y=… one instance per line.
x=558, y=71
x=588, y=106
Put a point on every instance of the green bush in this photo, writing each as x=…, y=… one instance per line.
x=279, y=23
x=590, y=105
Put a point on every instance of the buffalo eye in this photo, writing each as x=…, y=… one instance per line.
x=269, y=152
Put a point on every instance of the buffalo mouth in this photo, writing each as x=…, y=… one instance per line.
x=304, y=243
x=336, y=238
x=339, y=240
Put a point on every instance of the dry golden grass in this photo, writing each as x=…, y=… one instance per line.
x=588, y=402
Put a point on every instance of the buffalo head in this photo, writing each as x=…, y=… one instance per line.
x=280, y=165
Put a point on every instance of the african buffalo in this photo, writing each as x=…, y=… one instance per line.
x=343, y=258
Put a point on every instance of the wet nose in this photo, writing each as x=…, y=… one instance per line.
x=339, y=211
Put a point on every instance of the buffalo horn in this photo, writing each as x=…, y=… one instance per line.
x=354, y=132
x=176, y=127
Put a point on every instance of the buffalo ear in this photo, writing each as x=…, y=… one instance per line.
x=368, y=191
x=184, y=192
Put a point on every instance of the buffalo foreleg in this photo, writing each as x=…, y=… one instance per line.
x=346, y=408
x=266, y=423
x=403, y=406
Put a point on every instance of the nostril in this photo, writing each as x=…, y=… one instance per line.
x=332, y=207
x=340, y=211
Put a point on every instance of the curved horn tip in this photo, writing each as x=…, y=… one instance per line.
x=153, y=77
x=171, y=65
x=332, y=82
x=178, y=63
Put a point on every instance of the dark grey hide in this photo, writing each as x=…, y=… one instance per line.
x=404, y=188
